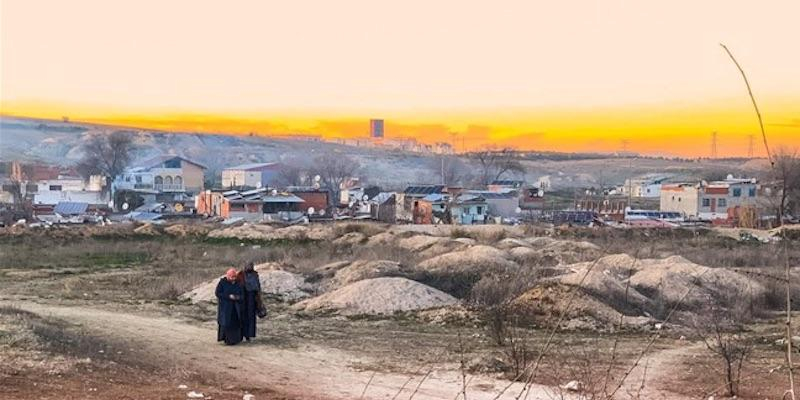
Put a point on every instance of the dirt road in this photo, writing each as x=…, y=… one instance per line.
x=305, y=372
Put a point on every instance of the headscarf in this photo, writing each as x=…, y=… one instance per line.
x=231, y=273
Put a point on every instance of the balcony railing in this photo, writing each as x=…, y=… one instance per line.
x=165, y=187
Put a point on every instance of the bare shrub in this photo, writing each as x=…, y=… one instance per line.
x=492, y=295
x=725, y=339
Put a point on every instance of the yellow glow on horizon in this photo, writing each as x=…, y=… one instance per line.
x=532, y=74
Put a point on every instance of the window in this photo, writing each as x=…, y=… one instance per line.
x=737, y=192
x=679, y=199
x=138, y=179
x=752, y=192
x=168, y=180
x=158, y=180
x=55, y=188
x=480, y=210
x=173, y=163
x=706, y=202
x=178, y=180
x=722, y=203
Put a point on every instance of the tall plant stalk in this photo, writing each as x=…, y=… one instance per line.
x=787, y=268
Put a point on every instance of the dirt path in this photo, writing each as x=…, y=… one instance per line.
x=305, y=372
x=656, y=371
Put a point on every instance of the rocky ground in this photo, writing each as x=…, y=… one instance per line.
x=405, y=311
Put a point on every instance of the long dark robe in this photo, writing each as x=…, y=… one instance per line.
x=229, y=312
x=252, y=287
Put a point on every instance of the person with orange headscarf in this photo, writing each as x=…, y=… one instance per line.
x=229, y=309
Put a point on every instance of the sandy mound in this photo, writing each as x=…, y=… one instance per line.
x=267, y=232
x=378, y=296
x=466, y=241
x=147, y=229
x=671, y=279
x=244, y=231
x=475, y=258
x=187, y=230
x=510, y=243
x=361, y=270
x=350, y=239
x=664, y=280
x=276, y=283
x=382, y=239
x=419, y=242
x=545, y=303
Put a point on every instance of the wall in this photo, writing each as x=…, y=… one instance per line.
x=684, y=200
x=318, y=200
x=193, y=177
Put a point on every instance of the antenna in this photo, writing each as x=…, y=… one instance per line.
x=625, y=143
x=714, y=144
x=750, y=141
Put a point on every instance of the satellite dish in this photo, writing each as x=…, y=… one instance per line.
x=111, y=204
x=518, y=210
x=258, y=185
x=310, y=210
x=365, y=198
x=125, y=206
x=274, y=192
x=317, y=178
x=322, y=212
x=316, y=185
x=179, y=207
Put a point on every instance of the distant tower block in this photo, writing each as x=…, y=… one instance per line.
x=376, y=128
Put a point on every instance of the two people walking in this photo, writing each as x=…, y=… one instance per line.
x=239, y=304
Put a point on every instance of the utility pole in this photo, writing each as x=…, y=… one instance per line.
x=714, y=144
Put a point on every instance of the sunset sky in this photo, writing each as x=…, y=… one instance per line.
x=546, y=75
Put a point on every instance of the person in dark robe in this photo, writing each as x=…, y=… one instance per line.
x=229, y=310
x=251, y=302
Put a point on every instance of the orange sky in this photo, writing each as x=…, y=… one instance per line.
x=566, y=76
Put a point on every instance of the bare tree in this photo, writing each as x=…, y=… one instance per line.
x=494, y=164
x=783, y=184
x=106, y=155
x=333, y=170
x=291, y=173
x=452, y=170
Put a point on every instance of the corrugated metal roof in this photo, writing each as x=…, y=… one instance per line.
x=283, y=198
x=434, y=197
x=70, y=208
x=252, y=166
x=382, y=197
x=424, y=190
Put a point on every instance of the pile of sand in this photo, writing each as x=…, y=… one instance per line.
x=280, y=284
x=187, y=230
x=361, y=270
x=378, y=296
x=476, y=259
x=244, y=231
x=266, y=232
x=545, y=303
x=350, y=239
x=419, y=242
x=381, y=239
x=549, y=252
x=665, y=280
x=147, y=229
